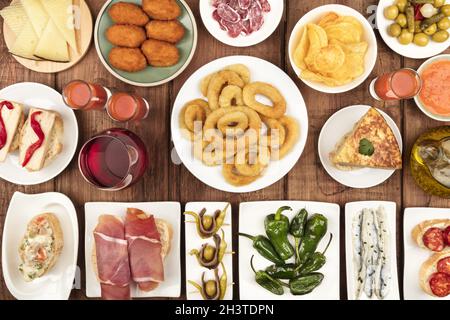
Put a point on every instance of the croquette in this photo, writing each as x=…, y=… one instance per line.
x=171, y=31
x=161, y=9
x=123, y=35
x=160, y=53
x=127, y=59
x=128, y=13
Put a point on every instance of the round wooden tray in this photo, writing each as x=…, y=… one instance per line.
x=83, y=36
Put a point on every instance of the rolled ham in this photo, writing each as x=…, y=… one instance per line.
x=144, y=249
x=113, y=264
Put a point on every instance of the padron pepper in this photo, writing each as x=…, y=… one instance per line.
x=305, y=284
x=209, y=256
x=264, y=248
x=213, y=289
x=267, y=282
x=317, y=261
x=315, y=230
x=297, y=230
x=277, y=229
x=286, y=272
x=208, y=226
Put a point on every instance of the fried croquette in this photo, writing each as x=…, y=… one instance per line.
x=160, y=53
x=171, y=31
x=161, y=9
x=127, y=59
x=128, y=13
x=123, y=35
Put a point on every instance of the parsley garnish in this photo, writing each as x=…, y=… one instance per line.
x=366, y=148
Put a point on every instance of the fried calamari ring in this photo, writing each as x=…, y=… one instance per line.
x=231, y=96
x=276, y=133
x=253, y=162
x=242, y=70
x=204, y=84
x=292, y=135
x=233, y=121
x=215, y=152
x=218, y=82
x=231, y=175
x=279, y=103
x=194, y=111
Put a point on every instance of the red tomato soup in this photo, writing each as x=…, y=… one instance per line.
x=435, y=94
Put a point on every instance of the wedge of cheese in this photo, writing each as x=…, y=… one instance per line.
x=36, y=14
x=13, y=119
x=61, y=12
x=14, y=16
x=52, y=45
x=25, y=43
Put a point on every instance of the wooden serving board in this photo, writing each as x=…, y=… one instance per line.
x=83, y=35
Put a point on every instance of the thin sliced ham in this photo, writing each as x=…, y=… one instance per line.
x=112, y=258
x=144, y=248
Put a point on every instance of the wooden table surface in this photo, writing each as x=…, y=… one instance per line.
x=165, y=180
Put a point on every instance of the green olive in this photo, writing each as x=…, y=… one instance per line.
x=417, y=28
x=391, y=12
x=405, y=37
x=401, y=20
x=431, y=29
x=421, y=39
x=211, y=288
x=207, y=222
x=438, y=3
x=440, y=36
x=446, y=10
x=394, y=30
x=401, y=5
x=444, y=24
x=208, y=253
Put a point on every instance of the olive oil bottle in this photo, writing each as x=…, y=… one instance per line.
x=430, y=161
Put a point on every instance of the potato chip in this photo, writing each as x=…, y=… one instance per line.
x=329, y=58
x=317, y=40
x=301, y=50
x=328, y=19
x=344, y=32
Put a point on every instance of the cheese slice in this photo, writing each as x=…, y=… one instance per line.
x=14, y=17
x=47, y=121
x=52, y=45
x=61, y=12
x=36, y=14
x=25, y=43
x=11, y=119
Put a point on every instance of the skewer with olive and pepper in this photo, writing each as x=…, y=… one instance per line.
x=303, y=275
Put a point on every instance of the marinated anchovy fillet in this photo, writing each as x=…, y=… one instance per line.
x=357, y=251
x=384, y=275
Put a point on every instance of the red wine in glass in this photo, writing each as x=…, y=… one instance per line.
x=113, y=160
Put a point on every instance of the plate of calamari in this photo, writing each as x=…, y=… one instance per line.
x=239, y=124
x=145, y=42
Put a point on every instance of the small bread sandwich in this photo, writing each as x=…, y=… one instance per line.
x=41, y=246
x=11, y=122
x=435, y=275
x=371, y=144
x=40, y=139
x=432, y=234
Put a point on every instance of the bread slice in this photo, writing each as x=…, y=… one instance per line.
x=428, y=268
x=53, y=128
x=13, y=120
x=419, y=230
x=43, y=231
x=372, y=128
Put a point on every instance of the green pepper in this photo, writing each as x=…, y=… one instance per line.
x=264, y=248
x=305, y=284
x=316, y=262
x=315, y=230
x=297, y=229
x=277, y=229
x=213, y=289
x=223, y=282
x=286, y=272
x=410, y=18
x=267, y=282
x=208, y=256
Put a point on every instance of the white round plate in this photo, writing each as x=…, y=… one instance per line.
x=313, y=16
x=340, y=124
x=261, y=70
x=40, y=96
x=411, y=50
x=417, y=98
x=271, y=21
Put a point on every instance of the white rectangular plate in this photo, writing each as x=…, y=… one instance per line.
x=251, y=221
x=351, y=210
x=169, y=211
x=193, y=241
x=58, y=282
x=416, y=256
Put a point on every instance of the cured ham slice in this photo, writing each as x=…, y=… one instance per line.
x=145, y=248
x=112, y=258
